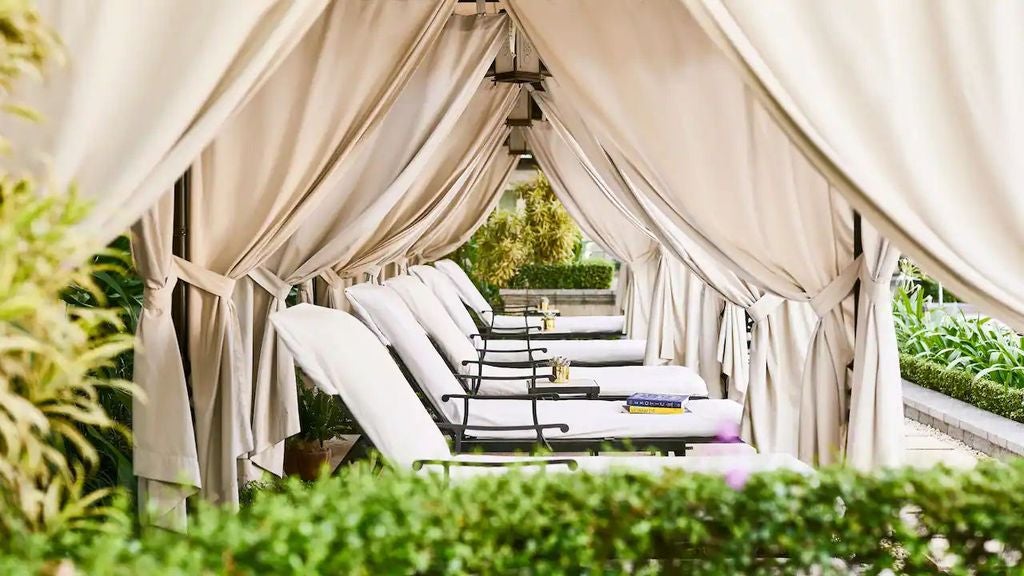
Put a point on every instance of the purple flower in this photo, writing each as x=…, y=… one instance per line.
x=737, y=478
x=728, y=431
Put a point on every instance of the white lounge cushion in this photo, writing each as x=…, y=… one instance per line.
x=609, y=351
x=569, y=324
x=467, y=290
x=750, y=463
x=364, y=375
x=444, y=288
x=613, y=380
x=475, y=300
x=589, y=419
x=341, y=356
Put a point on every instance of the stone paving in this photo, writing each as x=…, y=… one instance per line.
x=926, y=447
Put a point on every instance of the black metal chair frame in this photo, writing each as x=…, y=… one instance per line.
x=463, y=442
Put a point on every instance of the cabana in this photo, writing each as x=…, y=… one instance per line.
x=780, y=154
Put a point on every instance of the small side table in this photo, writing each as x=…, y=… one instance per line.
x=574, y=387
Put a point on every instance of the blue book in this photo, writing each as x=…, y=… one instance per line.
x=657, y=400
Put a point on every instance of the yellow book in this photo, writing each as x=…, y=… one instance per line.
x=653, y=410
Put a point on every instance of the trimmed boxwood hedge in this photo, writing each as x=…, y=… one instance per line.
x=985, y=394
x=589, y=275
x=360, y=522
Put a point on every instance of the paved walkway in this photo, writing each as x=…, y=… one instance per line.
x=926, y=447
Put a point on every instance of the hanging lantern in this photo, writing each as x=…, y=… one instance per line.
x=517, y=144
x=517, y=61
x=524, y=112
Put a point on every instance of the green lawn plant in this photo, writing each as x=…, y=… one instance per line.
x=974, y=344
x=53, y=360
x=55, y=355
x=360, y=522
x=539, y=231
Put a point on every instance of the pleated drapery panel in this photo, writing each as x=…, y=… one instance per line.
x=600, y=219
x=164, y=448
x=454, y=61
x=912, y=110
x=168, y=74
x=464, y=217
x=676, y=118
x=771, y=409
x=421, y=119
x=271, y=158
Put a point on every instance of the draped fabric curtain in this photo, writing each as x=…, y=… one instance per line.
x=452, y=63
x=166, y=74
x=329, y=90
x=601, y=220
x=364, y=225
x=707, y=159
x=164, y=452
x=464, y=217
x=912, y=110
x=770, y=410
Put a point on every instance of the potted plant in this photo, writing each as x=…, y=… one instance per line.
x=321, y=417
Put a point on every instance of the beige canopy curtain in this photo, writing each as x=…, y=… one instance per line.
x=146, y=86
x=705, y=155
x=332, y=88
x=384, y=198
x=463, y=218
x=601, y=220
x=770, y=414
x=921, y=130
x=424, y=114
x=452, y=62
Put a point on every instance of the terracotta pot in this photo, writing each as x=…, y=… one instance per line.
x=305, y=460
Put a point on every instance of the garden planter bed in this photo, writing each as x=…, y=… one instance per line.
x=568, y=302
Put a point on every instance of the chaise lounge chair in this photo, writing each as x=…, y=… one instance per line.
x=502, y=423
x=374, y=390
x=572, y=326
x=409, y=300
x=620, y=352
x=618, y=381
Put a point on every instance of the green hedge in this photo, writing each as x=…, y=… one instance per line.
x=589, y=275
x=985, y=394
x=361, y=523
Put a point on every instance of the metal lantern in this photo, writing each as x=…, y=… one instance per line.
x=517, y=61
x=517, y=144
x=524, y=112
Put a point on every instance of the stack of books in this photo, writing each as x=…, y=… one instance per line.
x=656, y=403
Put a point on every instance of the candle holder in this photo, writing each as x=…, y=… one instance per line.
x=544, y=302
x=560, y=369
x=548, y=323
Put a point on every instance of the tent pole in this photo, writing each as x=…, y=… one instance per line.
x=180, y=248
x=858, y=250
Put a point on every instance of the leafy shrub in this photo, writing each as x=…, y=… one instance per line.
x=977, y=345
x=540, y=231
x=397, y=523
x=981, y=392
x=501, y=248
x=590, y=275
x=322, y=416
x=550, y=233
x=52, y=363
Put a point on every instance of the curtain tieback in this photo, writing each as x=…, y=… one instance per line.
x=872, y=289
x=764, y=307
x=832, y=295
x=157, y=299
x=206, y=280
x=270, y=282
x=333, y=279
